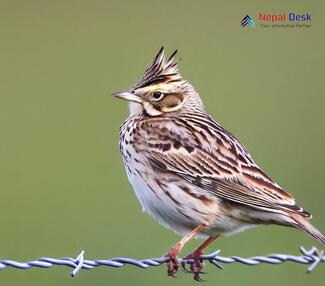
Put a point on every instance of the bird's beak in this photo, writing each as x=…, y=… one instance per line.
x=126, y=95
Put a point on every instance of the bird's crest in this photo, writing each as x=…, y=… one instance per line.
x=160, y=71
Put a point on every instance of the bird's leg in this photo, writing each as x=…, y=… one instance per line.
x=172, y=263
x=198, y=252
x=198, y=264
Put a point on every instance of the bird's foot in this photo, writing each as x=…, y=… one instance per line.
x=173, y=262
x=196, y=266
x=196, y=269
x=172, y=266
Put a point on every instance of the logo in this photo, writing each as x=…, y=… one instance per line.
x=247, y=21
x=284, y=17
x=278, y=20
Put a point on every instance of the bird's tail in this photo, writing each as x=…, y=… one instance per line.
x=304, y=225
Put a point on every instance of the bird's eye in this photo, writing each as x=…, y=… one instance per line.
x=157, y=95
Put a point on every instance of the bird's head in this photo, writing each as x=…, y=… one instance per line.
x=161, y=90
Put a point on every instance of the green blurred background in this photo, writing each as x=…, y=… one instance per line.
x=63, y=185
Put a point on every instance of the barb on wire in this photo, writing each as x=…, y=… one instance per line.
x=310, y=257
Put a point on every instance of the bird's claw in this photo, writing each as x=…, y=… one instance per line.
x=172, y=266
x=184, y=269
x=196, y=268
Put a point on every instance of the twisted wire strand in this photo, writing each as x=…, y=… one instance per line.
x=310, y=257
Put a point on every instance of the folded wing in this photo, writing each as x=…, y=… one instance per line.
x=198, y=150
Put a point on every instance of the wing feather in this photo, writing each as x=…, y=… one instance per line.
x=213, y=160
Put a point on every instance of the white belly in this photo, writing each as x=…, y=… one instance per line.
x=165, y=200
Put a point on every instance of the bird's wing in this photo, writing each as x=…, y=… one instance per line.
x=197, y=149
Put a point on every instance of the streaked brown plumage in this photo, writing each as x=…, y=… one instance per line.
x=189, y=173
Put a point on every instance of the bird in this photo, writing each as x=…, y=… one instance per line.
x=189, y=173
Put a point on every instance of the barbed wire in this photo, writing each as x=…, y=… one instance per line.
x=310, y=257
